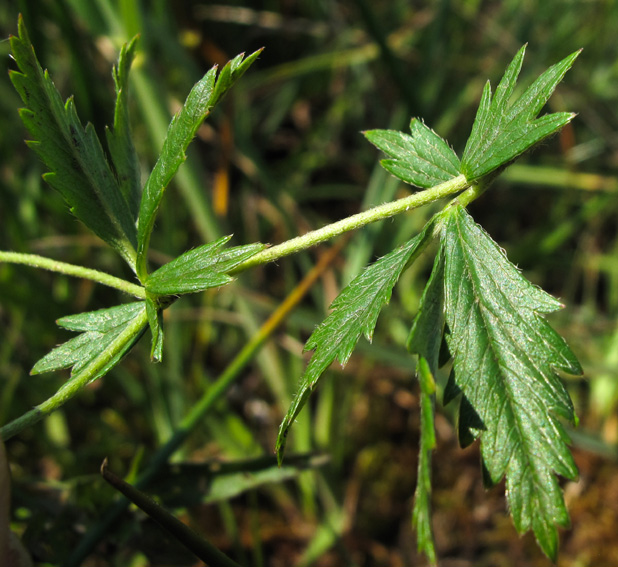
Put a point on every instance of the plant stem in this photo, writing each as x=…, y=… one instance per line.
x=79, y=381
x=359, y=220
x=292, y=246
x=200, y=409
x=200, y=547
x=73, y=270
x=473, y=192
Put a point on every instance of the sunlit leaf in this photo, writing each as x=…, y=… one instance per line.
x=98, y=330
x=203, y=267
x=505, y=362
x=503, y=129
x=200, y=102
x=422, y=159
x=354, y=313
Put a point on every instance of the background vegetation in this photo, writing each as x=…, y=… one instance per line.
x=282, y=155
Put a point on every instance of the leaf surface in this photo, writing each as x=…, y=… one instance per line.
x=423, y=159
x=203, y=97
x=354, y=313
x=155, y=322
x=98, y=330
x=427, y=329
x=505, y=362
x=119, y=140
x=201, y=268
x=504, y=130
x=78, y=167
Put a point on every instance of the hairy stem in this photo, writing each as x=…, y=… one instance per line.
x=473, y=192
x=79, y=381
x=359, y=220
x=72, y=270
x=292, y=246
x=201, y=408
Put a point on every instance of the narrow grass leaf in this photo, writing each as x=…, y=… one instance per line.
x=423, y=159
x=175, y=484
x=354, y=313
x=98, y=330
x=119, y=140
x=505, y=362
x=201, y=268
x=200, y=102
x=79, y=168
x=503, y=129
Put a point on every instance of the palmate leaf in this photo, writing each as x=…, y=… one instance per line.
x=119, y=141
x=203, y=97
x=354, y=313
x=98, y=330
x=505, y=362
x=77, y=163
x=423, y=159
x=503, y=130
x=199, y=269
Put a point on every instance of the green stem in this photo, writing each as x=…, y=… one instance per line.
x=292, y=246
x=473, y=192
x=79, y=381
x=195, y=415
x=359, y=220
x=73, y=270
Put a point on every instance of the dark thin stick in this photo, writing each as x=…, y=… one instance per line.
x=202, y=549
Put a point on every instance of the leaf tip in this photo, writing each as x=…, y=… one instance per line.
x=21, y=26
x=281, y=441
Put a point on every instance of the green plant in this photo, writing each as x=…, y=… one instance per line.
x=476, y=309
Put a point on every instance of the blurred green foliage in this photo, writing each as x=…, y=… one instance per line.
x=284, y=154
